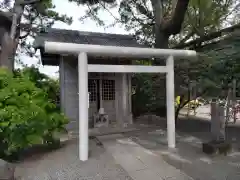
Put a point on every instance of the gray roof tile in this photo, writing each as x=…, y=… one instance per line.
x=83, y=37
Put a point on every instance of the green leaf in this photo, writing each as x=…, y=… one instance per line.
x=4, y=124
x=34, y=139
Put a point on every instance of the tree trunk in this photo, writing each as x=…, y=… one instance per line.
x=10, y=39
x=164, y=28
x=161, y=42
x=7, y=52
x=161, y=37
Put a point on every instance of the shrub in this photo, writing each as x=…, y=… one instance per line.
x=148, y=95
x=42, y=81
x=27, y=117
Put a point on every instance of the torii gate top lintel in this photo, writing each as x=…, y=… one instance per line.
x=115, y=51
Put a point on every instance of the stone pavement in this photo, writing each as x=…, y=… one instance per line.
x=140, y=163
x=188, y=156
x=64, y=164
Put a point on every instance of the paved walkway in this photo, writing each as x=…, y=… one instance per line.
x=64, y=164
x=188, y=156
x=140, y=163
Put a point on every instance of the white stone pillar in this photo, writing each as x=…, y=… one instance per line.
x=124, y=97
x=62, y=83
x=130, y=98
x=100, y=88
x=170, y=103
x=83, y=105
x=118, y=100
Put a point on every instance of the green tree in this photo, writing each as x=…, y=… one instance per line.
x=165, y=23
x=27, y=117
x=42, y=81
x=213, y=72
x=30, y=17
x=139, y=12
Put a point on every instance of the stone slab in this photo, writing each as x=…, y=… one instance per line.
x=147, y=164
x=144, y=175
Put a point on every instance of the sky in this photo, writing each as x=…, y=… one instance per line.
x=74, y=11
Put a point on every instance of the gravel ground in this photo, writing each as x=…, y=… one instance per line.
x=64, y=164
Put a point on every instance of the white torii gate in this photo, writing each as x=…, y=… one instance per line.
x=83, y=50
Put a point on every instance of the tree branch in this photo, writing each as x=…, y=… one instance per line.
x=105, y=8
x=230, y=12
x=186, y=37
x=30, y=24
x=195, y=26
x=143, y=10
x=29, y=2
x=208, y=37
x=173, y=26
x=25, y=35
